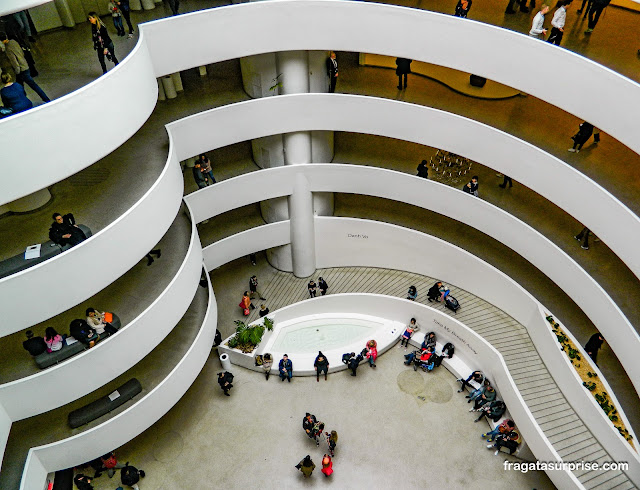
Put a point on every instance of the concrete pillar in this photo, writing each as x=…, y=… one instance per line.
x=148, y=4
x=293, y=68
x=161, y=94
x=297, y=147
x=318, y=77
x=259, y=75
x=64, y=11
x=303, y=238
x=135, y=5
x=169, y=87
x=30, y=202
x=177, y=81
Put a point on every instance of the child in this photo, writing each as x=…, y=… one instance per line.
x=327, y=465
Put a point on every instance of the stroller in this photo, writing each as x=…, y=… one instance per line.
x=451, y=303
x=424, y=365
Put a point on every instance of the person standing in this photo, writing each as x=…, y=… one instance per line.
x=225, y=380
x=332, y=71
x=423, y=169
x=582, y=136
x=13, y=95
x=584, y=234
x=321, y=364
x=308, y=422
x=267, y=362
x=102, y=43
x=462, y=8
x=557, y=23
x=434, y=292
x=507, y=180
x=332, y=441
x=285, y=368
x=322, y=284
x=253, y=288
x=19, y=64
x=372, y=352
x=205, y=167
x=472, y=186
x=352, y=361
x=23, y=21
x=403, y=68
x=311, y=287
x=594, y=13
x=124, y=7
x=327, y=465
x=306, y=466
x=174, y=5
x=199, y=176
x=264, y=311
x=245, y=303
x=157, y=252
x=116, y=14
x=537, y=26
x=593, y=346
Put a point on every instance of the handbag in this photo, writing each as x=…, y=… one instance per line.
x=246, y=312
x=108, y=317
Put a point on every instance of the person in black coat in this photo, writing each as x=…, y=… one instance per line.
x=322, y=284
x=582, y=136
x=462, y=9
x=332, y=71
x=594, y=13
x=124, y=7
x=472, y=186
x=102, y=43
x=403, y=69
x=434, y=292
x=34, y=345
x=224, y=380
x=321, y=364
x=64, y=230
x=82, y=332
x=593, y=346
x=423, y=170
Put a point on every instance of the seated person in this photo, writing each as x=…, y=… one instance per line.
x=54, y=340
x=82, y=332
x=487, y=396
x=285, y=368
x=423, y=354
x=35, y=345
x=476, y=376
x=95, y=320
x=510, y=440
x=429, y=341
x=412, y=293
x=13, y=95
x=507, y=425
x=478, y=391
x=434, y=292
x=408, y=332
x=494, y=410
x=64, y=230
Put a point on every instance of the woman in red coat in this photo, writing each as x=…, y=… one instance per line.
x=327, y=465
x=372, y=352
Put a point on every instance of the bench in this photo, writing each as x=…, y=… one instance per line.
x=104, y=405
x=48, y=359
x=48, y=249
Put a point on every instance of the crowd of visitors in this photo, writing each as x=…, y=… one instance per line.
x=314, y=429
x=129, y=475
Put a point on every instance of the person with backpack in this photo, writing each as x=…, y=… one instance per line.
x=352, y=361
x=225, y=381
x=510, y=440
x=130, y=476
x=306, y=466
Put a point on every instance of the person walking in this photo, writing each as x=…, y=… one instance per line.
x=322, y=284
x=225, y=381
x=594, y=13
x=327, y=465
x=308, y=421
x=462, y=8
x=557, y=23
x=311, y=287
x=245, y=304
x=157, y=252
x=537, y=26
x=102, y=43
x=285, y=368
x=267, y=363
x=593, y=346
x=584, y=234
x=423, y=169
x=332, y=71
x=403, y=68
x=23, y=21
x=582, y=136
x=116, y=15
x=306, y=466
x=321, y=364
x=15, y=54
x=434, y=292
x=332, y=441
x=253, y=288
x=124, y=7
x=507, y=180
x=174, y=5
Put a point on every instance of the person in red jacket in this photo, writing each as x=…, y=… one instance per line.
x=372, y=352
x=327, y=465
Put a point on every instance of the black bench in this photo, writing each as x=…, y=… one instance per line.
x=105, y=404
x=48, y=359
x=48, y=249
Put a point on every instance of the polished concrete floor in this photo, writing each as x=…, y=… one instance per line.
x=67, y=62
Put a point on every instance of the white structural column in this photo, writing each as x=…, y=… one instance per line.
x=303, y=238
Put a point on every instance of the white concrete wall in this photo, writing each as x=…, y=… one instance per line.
x=11, y=6
x=61, y=282
x=68, y=381
x=451, y=202
x=123, y=427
